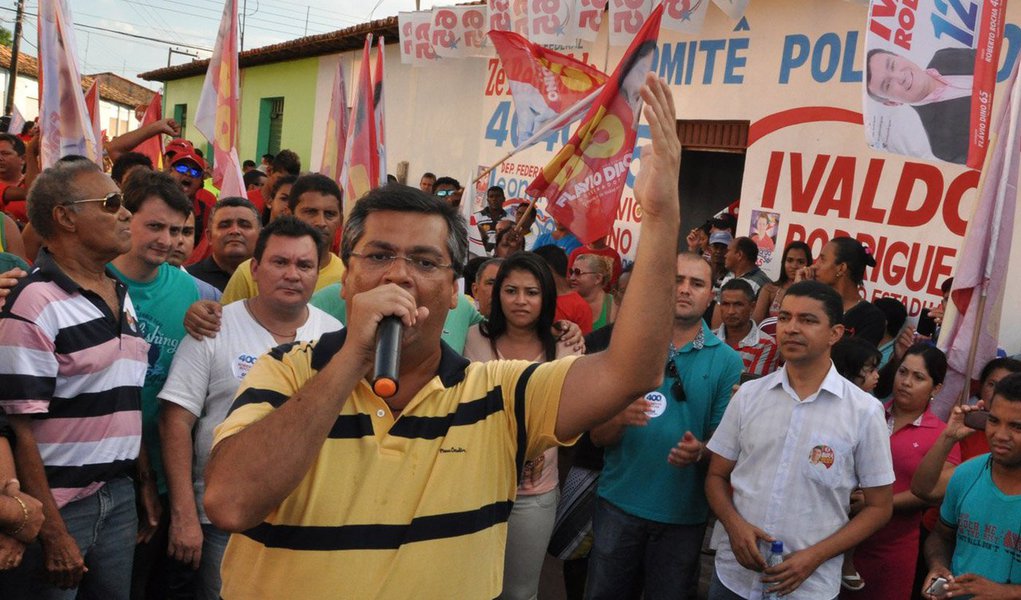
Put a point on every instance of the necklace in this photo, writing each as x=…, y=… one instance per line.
x=290, y=335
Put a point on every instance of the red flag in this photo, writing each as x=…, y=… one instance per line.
x=583, y=182
x=336, y=128
x=377, y=99
x=216, y=117
x=153, y=147
x=546, y=85
x=361, y=154
x=971, y=325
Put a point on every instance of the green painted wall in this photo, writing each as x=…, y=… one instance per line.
x=294, y=80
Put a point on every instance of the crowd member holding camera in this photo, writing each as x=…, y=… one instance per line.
x=972, y=550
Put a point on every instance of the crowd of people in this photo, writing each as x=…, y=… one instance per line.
x=187, y=408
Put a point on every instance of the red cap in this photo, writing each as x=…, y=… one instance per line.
x=178, y=145
x=188, y=154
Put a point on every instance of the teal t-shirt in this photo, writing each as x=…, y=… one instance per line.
x=455, y=328
x=636, y=476
x=988, y=524
x=160, y=305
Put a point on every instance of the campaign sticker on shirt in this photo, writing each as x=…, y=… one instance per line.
x=657, y=404
x=242, y=364
x=822, y=454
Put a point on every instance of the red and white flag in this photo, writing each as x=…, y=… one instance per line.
x=218, y=110
x=92, y=106
x=547, y=86
x=583, y=182
x=17, y=122
x=976, y=299
x=378, y=113
x=336, y=128
x=361, y=154
x=64, y=124
x=153, y=147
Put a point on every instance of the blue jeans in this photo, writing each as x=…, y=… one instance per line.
x=629, y=553
x=104, y=526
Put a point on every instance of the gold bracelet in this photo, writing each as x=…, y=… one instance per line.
x=24, y=517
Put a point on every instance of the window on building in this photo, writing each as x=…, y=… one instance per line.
x=181, y=116
x=271, y=125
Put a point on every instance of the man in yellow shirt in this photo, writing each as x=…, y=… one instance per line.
x=334, y=492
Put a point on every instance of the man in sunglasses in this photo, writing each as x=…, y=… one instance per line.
x=71, y=383
x=188, y=169
x=651, y=517
x=449, y=189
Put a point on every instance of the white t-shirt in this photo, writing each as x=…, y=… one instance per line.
x=206, y=374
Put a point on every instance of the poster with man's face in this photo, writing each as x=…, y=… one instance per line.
x=930, y=69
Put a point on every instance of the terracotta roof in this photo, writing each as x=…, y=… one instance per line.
x=341, y=40
x=112, y=88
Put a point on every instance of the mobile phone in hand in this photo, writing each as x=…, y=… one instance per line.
x=976, y=419
x=938, y=588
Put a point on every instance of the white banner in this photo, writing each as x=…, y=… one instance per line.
x=406, y=25
x=733, y=8
x=685, y=16
x=550, y=21
x=626, y=18
x=589, y=17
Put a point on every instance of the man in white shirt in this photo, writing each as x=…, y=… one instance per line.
x=789, y=451
x=205, y=376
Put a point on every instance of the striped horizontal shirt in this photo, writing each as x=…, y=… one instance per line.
x=78, y=369
x=758, y=350
x=415, y=507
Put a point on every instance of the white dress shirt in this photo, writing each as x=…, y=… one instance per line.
x=797, y=463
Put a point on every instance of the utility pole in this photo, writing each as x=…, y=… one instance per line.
x=12, y=78
x=244, y=17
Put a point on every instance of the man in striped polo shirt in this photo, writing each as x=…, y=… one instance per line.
x=71, y=372
x=335, y=492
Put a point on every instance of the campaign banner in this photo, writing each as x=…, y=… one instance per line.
x=627, y=18
x=930, y=70
x=551, y=21
x=589, y=18
x=473, y=20
x=448, y=32
x=583, y=182
x=406, y=27
x=685, y=16
x=422, y=46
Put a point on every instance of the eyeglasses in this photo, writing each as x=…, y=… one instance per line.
x=111, y=202
x=381, y=261
x=676, y=388
x=189, y=171
x=576, y=272
x=444, y=193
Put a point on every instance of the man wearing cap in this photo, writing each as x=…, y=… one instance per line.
x=719, y=241
x=188, y=168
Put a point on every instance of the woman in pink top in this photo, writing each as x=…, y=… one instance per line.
x=520, y=328
x=887, y=559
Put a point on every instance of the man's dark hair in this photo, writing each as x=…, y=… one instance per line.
x=495, y=188
x=248, y=164
x=868, y=72
x=1010, y=364
x=285, y=161
x=288, y=226
x=234, y=202
x=16, y=144
x=267, y=157
x=143, y=185
x=125, y=162
x=726, y=221
x=740, y=285
x=53, y=187
x=252, y=177
x=832, y=303
x=471, y=268
x=313, y=182
x=747, y=247
x=447, y=181
x=896, y=313
x=1009, y=388
x=401, y=198
x=555, y=257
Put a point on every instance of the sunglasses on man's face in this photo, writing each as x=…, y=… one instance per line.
x=445, y=193
x=111, y=202
x=189, y=171
x=676, y=388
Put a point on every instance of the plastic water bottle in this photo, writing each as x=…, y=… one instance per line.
x=774, y=557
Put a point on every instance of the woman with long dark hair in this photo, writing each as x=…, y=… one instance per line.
x=796, y=256
x=520, y=327
x=887, y=559
x=841, y=265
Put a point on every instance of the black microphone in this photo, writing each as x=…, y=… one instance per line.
x=388, y=357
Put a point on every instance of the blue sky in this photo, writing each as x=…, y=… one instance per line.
x=189, y=25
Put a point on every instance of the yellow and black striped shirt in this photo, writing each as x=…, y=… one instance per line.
x=413, y=507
